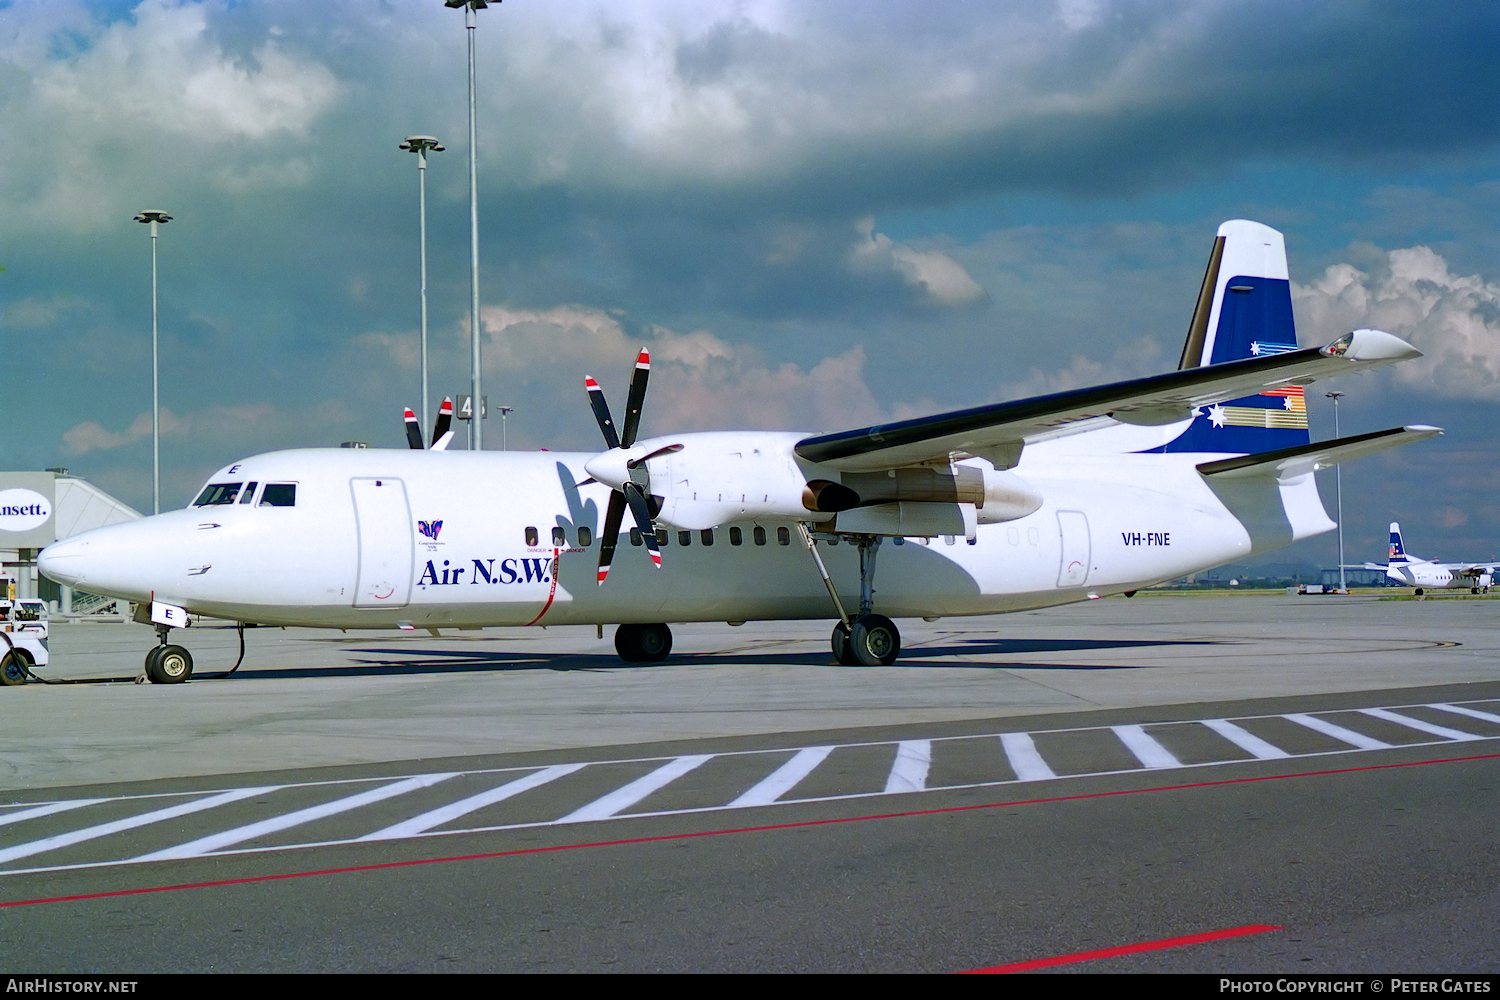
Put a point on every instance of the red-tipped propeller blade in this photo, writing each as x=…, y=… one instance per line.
x=601, y=411
x=642, y=511
x=635, y=399
x=444, y=419
x=413, y=430
x=612, y=518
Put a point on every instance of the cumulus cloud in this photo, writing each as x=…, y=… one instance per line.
x=1453, y=319
x=216, y=424
x=940, y=280
x=698, y=381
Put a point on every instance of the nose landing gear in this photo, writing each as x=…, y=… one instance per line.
x=168, y=664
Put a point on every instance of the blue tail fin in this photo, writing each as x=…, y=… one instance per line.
x=1398, y=553
x=1244, y=311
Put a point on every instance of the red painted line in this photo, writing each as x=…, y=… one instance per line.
x=551, y=593
x=1128, y=949
x=770, y=828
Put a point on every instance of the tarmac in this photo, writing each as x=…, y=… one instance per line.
x=316, y=698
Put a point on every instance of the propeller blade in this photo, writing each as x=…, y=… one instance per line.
x=642, y=511
x=670, y=449
x=601, y=411
x=635, y=399
x=444, y=419
x=612, y=519
x=413, y=430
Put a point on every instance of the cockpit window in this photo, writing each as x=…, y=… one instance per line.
x=279, y=495
x=249, y=493
x=217, y=493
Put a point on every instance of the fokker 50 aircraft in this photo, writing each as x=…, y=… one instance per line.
x=1005, y=507
x=1423, y=573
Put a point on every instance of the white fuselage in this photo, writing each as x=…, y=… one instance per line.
x=1437, y=576
x=362, y=548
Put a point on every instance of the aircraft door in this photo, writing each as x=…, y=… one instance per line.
x=1074, y=527
x=386, y=545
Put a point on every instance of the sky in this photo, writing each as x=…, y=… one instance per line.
x=815, y=214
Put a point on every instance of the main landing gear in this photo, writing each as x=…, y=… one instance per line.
x=168, y=664
x=867, y=639
x=643, y=643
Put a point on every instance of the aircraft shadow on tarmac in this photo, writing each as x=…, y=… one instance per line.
x=397, y=662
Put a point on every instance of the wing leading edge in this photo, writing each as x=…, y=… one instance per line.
x=999, y=431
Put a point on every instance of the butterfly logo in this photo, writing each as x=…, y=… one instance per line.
x=430, y=528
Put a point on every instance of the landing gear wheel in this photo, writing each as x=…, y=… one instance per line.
x=643, y=643
x=841, y=649
x=875, y=641
x=1418, y=592
x=169, y=665
x=12, y=670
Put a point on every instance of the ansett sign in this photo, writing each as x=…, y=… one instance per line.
x=26, y=509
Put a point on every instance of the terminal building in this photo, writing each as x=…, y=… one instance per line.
x=37, y=509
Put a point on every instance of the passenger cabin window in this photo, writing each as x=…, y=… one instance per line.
x=707, y=536
x=783, y=535
x=684, y=538
x=216, y=494
x=760, y=535
x=249, y=493
x=635, y=536
x=559, y=537
x=662, y=535
x=279, y=495
x=531, y=538
x=585, y=536
x=736, y=536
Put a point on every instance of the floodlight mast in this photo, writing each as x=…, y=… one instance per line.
x=470, y=7
x=155, y=217
x=1338, y=479
x=421, y=144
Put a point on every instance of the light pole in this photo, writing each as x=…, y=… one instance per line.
x=470, y=7
x=155, y=217
x=504, y=412
x=1338, y=479
x=421, y=144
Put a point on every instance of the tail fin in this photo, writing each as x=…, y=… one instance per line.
x=1398, y=552
x=1244, y=311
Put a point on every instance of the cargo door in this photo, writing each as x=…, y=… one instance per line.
x=1074, y=527
x=386, y=546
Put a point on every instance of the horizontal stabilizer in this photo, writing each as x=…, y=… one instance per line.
x=1292, y=462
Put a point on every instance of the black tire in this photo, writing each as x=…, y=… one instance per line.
x=655, y=643
x=643, y=643
x=169, y=665
x=627, y=643
x=842, y=653
x=12, y=669
x=1418, y=592
x=875, y=641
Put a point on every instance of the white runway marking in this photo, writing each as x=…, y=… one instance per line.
x=784, y=778
x=1338, y=732
x=1472, y=713
x=623, y=798
x=909, y=772
x=452, y=811
x=1020, y=751
x=240, y=834
x=1419, y=725
x=49, y=809
x=1149, y=752
x=144, y=819
x=1246, y=741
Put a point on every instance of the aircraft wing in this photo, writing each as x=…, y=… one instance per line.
x=1289, y=463
x=999, y=431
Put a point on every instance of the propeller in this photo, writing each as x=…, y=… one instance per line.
x=635, y=484
x=441, y=435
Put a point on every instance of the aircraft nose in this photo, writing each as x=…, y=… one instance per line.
x=63, y=562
